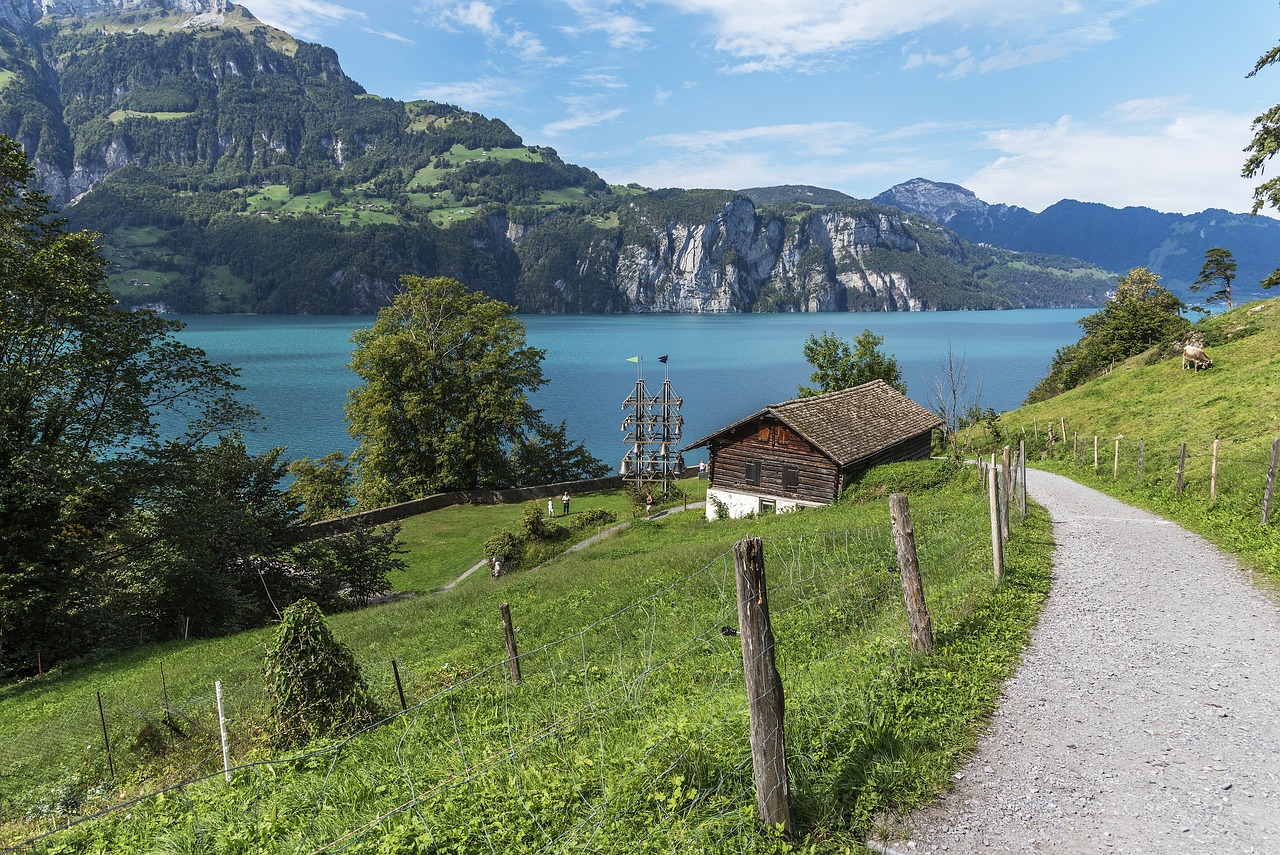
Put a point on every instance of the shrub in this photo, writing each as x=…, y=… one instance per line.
x=594, y=518
x=314, y=686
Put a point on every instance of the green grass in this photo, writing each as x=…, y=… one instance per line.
x=120, y=115
x=445, y=543
x=1157, y=403
x=625, y=668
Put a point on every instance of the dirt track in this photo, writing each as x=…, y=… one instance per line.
x=1146, y=715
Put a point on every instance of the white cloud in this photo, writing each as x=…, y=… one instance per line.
x=478, y=95
x=818, y=138
x=768, y=35
x=303, y=18
x=482, y=18
x=1142, y=153
x=600, y=16
x=825, y=154
x=582, y=112
x=395, y=37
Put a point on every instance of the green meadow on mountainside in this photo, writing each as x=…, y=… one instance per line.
x=629, y=723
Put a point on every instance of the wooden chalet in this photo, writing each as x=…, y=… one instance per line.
x=803, y=453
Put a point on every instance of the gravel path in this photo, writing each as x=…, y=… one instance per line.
x=1145, y=717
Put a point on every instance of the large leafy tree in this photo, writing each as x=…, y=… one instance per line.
x=1218, y=271
x=82, y=383
x=1265, y=144
x=447, y=376
x=837, y=365
x=1140, y=315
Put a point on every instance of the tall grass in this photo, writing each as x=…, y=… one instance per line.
x=1154, y=402
x=628, y=732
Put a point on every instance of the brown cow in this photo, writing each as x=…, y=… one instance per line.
x=1195, y=358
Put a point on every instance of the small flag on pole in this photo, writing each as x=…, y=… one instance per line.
x=663, y=359
x=633, y=359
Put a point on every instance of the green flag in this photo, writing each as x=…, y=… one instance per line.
x=633, y=359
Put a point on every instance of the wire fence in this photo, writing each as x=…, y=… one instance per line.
x=627, y=735
x=1231, y=474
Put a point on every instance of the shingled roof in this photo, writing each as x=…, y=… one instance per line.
x=847, y=425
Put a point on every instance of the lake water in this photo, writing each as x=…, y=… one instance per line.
x=726, y=367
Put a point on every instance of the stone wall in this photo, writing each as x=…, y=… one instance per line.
x=516, y=495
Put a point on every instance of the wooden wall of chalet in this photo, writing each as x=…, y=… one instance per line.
x=774, y=449
x=914, y=448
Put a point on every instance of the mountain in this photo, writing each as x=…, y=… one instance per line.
x=1172, y=245
x=958, y=209
x=232, y=168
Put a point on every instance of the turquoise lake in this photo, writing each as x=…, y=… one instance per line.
x=725, y=367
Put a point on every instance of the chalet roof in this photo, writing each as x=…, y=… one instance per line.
x=847, y=425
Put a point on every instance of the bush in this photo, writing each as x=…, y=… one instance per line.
x=506, y=547
x=314, y=686
x=593, y=518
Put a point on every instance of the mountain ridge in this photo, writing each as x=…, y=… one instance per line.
x=1172, y=245
x=232, y=167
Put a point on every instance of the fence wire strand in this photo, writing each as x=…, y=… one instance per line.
x=640, y=710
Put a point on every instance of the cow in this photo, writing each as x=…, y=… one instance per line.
x=1195, y=358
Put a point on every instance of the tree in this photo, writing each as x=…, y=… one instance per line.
x=325, y=486
x=446, y=378
x=81, y=383
x=1219, y=269
x=1265, y=144
x=1140, y=315
x=838, y=366
x=953, y=401
x=314, y=685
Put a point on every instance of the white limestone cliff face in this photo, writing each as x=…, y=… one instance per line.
x=736, y=263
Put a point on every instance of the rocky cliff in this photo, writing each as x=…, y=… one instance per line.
x=740, y=261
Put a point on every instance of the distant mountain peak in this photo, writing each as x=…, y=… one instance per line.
x=22, y=14
x=958, y=208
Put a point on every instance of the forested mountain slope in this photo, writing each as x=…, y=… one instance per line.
x=232, y=167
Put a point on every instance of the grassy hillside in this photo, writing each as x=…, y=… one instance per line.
x=1150, y=403
x=628, y=728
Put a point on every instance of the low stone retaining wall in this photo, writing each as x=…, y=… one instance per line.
x=516, y=495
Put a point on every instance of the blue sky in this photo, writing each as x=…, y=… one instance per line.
x=1124, y=102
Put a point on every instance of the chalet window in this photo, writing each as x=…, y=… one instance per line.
x=763, y=434
x=753, y=472
x=790, y=478
x=783, y=436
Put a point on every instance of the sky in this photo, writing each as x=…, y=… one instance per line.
x=1024, y=102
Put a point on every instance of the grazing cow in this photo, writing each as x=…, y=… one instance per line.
x=1195, y=358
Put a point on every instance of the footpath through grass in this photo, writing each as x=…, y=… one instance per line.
x=1140, y=415
x=628, y=731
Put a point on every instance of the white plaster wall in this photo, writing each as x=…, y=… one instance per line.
x=745, y=504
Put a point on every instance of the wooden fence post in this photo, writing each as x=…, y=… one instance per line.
x=1035, y=429
x=1006, y=490
x=106, y=740
x=1182, y=468
x=904, y=538
x=509, y=632
x=997, y=542
x=1271, y=481
x=1095, y=454
x=1022, y=477
x=222, y=731
x=395, y=672
x=1062, y=423
x=1213, y=475
x=764, y=688
x=1142, y=448
x=1115, y=462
